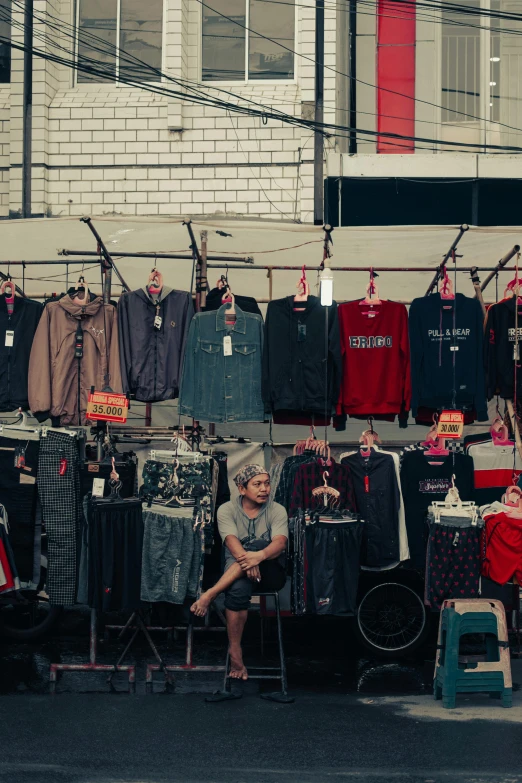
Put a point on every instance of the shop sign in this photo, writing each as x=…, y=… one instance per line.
x=103, y=406
x=450, y=425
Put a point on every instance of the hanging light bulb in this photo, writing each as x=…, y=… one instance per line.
x=327, y=281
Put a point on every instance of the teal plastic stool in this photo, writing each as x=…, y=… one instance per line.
x=452, y=676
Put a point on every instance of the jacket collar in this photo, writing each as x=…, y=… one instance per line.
x=262, y=509
x=240, y=324
x=79, y=309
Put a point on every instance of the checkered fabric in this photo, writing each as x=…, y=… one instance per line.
x=60, y=501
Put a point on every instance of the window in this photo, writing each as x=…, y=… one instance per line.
x=481, y=67
x=5, y=34
x=234, y=48
x=137, y=25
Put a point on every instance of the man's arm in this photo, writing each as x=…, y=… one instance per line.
x=234, y=546
x=271, y=552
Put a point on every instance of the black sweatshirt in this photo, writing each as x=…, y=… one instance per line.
x=14, y=360
x=301, y=363
x=435, y=328
x=499, y=348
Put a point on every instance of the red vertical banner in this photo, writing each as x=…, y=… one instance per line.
x=395, y=76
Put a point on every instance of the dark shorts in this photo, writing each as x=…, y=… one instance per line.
x=273, y=579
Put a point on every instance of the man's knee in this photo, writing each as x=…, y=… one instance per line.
x=273, y=576
x=238, y=595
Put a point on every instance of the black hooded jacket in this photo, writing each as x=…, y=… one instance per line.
x=301, y=359
x=14, y=360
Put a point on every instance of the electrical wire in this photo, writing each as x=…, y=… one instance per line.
x=197, y=96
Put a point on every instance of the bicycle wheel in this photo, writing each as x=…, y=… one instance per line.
x=29, y=620
x=392, y=620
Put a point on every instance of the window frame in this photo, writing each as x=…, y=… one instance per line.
x=246, y=82
x=484, y=124
x=97, y=86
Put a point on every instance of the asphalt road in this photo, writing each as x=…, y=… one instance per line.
x=79, y=738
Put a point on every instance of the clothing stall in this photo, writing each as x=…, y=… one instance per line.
x=98, y=510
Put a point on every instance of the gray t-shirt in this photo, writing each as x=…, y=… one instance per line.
x=254, y=534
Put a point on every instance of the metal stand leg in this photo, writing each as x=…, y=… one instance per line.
x=92, y=666
x=281, y=696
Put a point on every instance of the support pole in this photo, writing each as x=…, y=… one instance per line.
x=27, y=111
x=476, y=285
x=158, y=256
x=105, y=253
x=203, y=282
x=319, y=114
x=352, y=149
x=501, y=264
x=441, y=266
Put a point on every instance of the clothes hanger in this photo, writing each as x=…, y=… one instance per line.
x=303, y=291
x=446, y=286
x=437, y=449
x=368, y=439
x=431, y=437
x=500, y=433
x=155, y=282
x=330, y=495
x=9, y=297
x=454, y=506
x=81, y=292
x=372, y=295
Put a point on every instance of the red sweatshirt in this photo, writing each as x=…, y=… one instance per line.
x=376, y=359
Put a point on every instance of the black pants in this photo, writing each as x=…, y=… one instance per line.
x=333, y=554
x=18, y=495
x=273, y=579
x=115, y=549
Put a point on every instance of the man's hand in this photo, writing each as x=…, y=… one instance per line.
x=254, y=574
x=250, y=559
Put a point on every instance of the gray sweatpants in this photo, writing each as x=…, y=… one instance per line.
x=171, y=558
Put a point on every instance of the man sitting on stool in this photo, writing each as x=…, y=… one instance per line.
x=254, y=530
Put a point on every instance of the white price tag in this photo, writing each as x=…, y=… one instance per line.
x=227, y=346
x=158, y=321
x=98, y=486
x=9, y=339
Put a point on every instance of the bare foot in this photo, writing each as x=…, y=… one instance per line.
x=237, y=667
x=200, y=607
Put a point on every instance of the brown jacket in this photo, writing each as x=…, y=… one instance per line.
x=58, y=380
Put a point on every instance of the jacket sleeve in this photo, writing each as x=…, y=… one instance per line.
x=480, y=392
x=416, y=352
x=39, y=384
x=124, y=343
x=405, y=367
x=115, y=380
x=188, y=373
x=334, y=339
x=187, y=317
x=490, y=352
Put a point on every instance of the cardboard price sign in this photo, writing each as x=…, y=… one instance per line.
x=450, y=425
x=107, y=407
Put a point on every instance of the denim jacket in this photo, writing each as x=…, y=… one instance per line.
x=220, y=388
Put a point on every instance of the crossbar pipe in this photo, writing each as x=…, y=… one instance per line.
x=159, y=256
x=500, y=266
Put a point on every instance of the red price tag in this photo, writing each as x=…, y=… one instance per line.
x=62, y=470
x=450, y=425
x=103, y=406
x=367, y=484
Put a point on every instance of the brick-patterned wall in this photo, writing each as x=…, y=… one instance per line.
x=102, y=149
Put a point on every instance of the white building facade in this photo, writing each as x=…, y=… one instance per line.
x=448, y=85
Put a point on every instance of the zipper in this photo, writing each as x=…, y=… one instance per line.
x=79, y=393
x=8, y=363
x=158, y=311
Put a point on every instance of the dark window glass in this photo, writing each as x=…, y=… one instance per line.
x=141, y=34
x=5, y=49
x=223, y=48
x=270, y=59
x=97, y=21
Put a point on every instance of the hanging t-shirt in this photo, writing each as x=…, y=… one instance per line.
x=423, y=480
x=447, y=365
x=376, y=359
x=495, y=468
x=500, y=347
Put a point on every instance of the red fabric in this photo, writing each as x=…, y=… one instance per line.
x=396, y=36
x=376, y=360
x=502, y=547
x=496, y=477
x=9, y=585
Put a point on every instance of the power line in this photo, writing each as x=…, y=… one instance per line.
x=258, y=110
